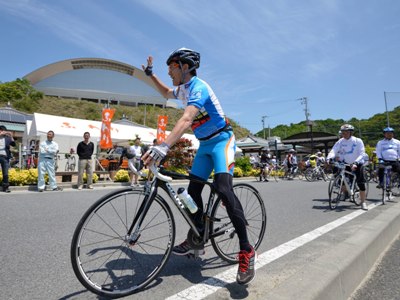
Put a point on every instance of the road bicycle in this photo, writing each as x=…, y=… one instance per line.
x=313, y=174
x=344, y=185
x=371, y=173
x=390, y=184
x=125, y=239
x=266, y=172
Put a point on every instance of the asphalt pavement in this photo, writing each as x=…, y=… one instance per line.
x=37, y=230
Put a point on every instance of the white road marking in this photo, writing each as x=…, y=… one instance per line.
x=211, y=285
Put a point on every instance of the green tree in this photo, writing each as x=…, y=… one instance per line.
x=20, y=94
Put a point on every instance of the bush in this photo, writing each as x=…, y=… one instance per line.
x=121, y=176
x=244, y=164
x=237, y=172
x=22, y=177
x=95, y=178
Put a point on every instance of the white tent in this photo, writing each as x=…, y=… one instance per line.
x=69, y=132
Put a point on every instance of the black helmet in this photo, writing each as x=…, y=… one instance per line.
x=185, y=56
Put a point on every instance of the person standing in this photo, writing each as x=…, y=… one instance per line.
x=6, y=140
x=85, y=151
x=204, y=114
x=134, y=154
x=48, y=149
x=350, y=150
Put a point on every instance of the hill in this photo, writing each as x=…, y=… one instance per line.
x=370, y=130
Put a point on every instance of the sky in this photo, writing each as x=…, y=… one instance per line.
x=261, y=58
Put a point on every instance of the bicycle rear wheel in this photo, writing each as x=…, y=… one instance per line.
x=102, y=258
x=223, y=236
x=335, y=192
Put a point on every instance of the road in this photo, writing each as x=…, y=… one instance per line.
x=36, y=230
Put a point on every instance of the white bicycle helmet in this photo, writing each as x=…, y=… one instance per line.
x=347, y=127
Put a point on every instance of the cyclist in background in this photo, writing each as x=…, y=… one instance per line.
x=350, y=150
x=388, y=151
x=265, y=165
x=204, y=114
x=320, y=159
x=292, y=163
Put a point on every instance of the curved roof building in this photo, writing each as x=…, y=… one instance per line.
x=96, y=79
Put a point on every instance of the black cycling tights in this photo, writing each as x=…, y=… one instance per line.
x=223, y=184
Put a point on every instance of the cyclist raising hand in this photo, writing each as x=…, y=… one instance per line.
x=204, y=114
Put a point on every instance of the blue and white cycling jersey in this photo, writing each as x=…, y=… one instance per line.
x=211, y=117
x=388, y=149
x=349, y=151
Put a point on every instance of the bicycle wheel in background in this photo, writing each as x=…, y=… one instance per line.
x=224, y=238
x=335, y=192
x=102, y=258
x=274, y=174
x=395, y=184
x=309, y=174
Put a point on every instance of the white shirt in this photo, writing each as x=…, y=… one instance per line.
x=48, y=149
x=137, y=150
x=388, y=149
x=348, y=151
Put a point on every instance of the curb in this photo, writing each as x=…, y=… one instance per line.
x=337, y=273
x=73, y=185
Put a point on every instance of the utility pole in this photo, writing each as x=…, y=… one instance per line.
x=263, y=123
x=309, y=123
x=387, y=113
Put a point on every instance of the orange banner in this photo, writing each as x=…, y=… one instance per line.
x=161, y=128
x=105, y=137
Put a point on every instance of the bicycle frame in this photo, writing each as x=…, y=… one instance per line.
x=162, y=181
x=387, y=173
x=342, y=174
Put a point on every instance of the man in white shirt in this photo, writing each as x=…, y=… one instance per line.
x=48, y=149
x=388, y=151
x=351, y=150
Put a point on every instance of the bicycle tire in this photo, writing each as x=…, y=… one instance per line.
x=384, y=188
x=275, y=175
x=324, y=176
x=356, y=198
x=72, y=167
x=101, y=257
x=335, y=192
x=226, y=245
x=309, y=174
x=66, y=167
x=395, y=184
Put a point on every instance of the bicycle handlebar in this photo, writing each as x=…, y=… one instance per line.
x=157, y=174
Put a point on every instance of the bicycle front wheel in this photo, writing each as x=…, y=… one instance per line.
x=103, y=259
x=223, y=235
x=385, y=191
